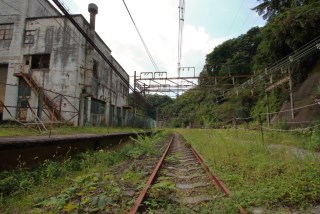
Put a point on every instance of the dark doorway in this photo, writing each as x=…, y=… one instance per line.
x=24, y=93
x=3, y=81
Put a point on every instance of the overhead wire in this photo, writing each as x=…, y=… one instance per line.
x=245, y=21
x=278, y=112
x=141, y=38
x=76, y=39
x=92, y=43
x=305, y=50
x=71, y=35
x=53, y=15
x=79, y=37
x=291, y=130
x=234, y=18
x=300, y=122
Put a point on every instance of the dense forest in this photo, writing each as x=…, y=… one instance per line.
x=290, y=25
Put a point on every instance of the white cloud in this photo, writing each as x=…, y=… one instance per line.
x=158, y=22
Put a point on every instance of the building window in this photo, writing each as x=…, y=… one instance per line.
x=40, y=61
x=29, y=36
x=121, y=89
x=97, y=106
x=95, y=69
x=6, y=31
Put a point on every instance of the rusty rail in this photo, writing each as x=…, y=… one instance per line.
x=215, y=180
x=143, y=193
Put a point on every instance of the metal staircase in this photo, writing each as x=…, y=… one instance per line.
x=48, y=105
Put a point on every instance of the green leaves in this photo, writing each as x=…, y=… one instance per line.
x=89, y=182
x=86, y=193
x=287, y=32
x=69, y=207
x=100, y=201
x=293, y=24
x=144, y=145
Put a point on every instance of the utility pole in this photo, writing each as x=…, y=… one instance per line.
x=261, y=129
x=267, y=108
x=134, y=96
x=291, y=95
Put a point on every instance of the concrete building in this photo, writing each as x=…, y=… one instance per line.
x=50, y=73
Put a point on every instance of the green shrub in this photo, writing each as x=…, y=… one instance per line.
x=315, y=141
x=143, y=145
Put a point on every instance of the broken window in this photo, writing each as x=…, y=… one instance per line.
x=126, y=91
x=29, y=36
x=40, y=61
x=6, y=31
x=24, y=89
x=121, y=88
x=97, y=106
x=95, y=70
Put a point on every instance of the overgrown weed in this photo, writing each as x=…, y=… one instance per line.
x=78, y=183
x=256, y=175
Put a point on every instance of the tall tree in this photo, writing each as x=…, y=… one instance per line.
x=156, y=103
x=287, y=32
x=233, y=56
x=270, y=8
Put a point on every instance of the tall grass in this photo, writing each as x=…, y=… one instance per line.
x=62, y=130
x=47, y=184
x=256, y=174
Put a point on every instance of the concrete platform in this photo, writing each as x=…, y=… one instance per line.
x=31, y=150
x=31, y=141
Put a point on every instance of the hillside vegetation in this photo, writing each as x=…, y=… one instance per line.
x=290, y=25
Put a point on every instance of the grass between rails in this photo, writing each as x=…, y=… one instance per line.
x=94, y=181
x=256, y=175
x=63, y=130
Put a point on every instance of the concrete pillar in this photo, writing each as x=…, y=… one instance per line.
x=81, y=110
x=126, y=117
x=121, y=116
x=89, y=110
x=107, y=114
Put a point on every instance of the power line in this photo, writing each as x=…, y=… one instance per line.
x=245, y=21
x=142, y=40
x=234, y=18
x=90, y=41
x=291, y=130
x=278, y=112
x=308, y=49
x=76, y=39
x=76, y=25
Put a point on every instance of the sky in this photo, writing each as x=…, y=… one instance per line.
x=207, y=24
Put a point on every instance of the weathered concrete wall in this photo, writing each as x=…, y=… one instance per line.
x=40, y=8
x=57, y=37
x=75, y=68
x=15, y=12
x=105, y=84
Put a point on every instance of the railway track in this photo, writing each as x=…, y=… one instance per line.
x=180, y=183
